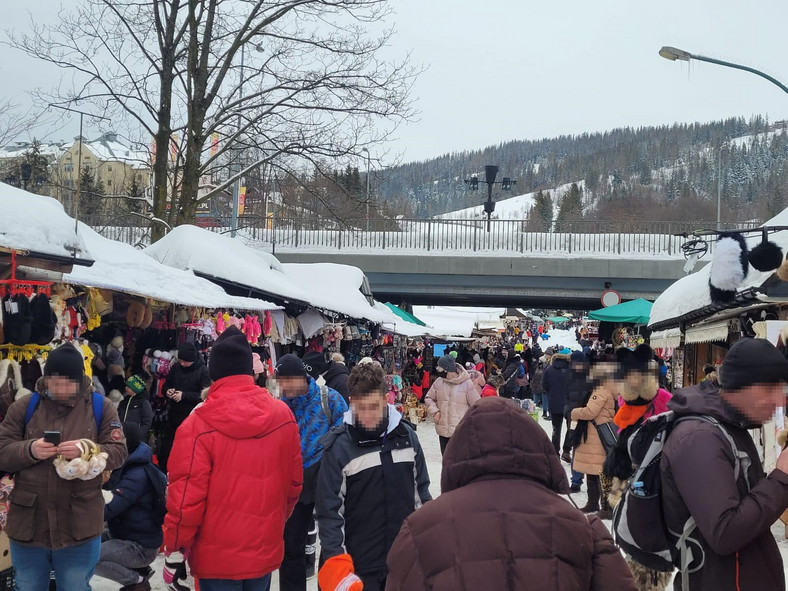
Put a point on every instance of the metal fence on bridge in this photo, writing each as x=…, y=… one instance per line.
x=446, y=235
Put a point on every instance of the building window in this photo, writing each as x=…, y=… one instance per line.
x=139, y=176
x=68, y=156
x=109, y=183
x=109, y=168
x=68, y=168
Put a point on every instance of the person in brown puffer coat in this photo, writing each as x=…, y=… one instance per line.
x=480, y=534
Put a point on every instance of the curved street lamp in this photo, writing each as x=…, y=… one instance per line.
x=673, y=54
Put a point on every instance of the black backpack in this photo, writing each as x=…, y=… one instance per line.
x=159, y=482
x=639, y=525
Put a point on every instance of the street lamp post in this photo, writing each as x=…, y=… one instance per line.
x=490, y=172
x=673, y=54
x=368, y=161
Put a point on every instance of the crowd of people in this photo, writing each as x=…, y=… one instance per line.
x=252, y=479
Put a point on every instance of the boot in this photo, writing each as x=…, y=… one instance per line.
x=144, y=586
x=594, y=490
x=607, y=511
x=145, y=572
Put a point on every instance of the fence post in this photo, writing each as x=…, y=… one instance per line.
x=429, y=234
x=670, y=241
x=475, y=234
x=384, y=239
x=569, y=235
x=619, y=241
x=296, y=233
x=339, y=238
x=522, y=242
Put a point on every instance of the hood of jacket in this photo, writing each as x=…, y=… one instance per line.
x=334, y=370
x=238, y=408
x=705, y=399
x=462, y=376
x=560, y=361
x=140, y=456
x=498, y=440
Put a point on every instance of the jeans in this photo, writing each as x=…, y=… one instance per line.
x=541, y=399
x=558, y=424
x=292, y=573
x=261, y=584
x=118, y=558
x=577, y=477
x=73, y=566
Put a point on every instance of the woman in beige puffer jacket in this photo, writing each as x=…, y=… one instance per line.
x=448, y=400
x=590, y=455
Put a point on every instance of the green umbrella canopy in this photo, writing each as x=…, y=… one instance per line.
x=558, y=319
x=405, y=315
x=633, y=312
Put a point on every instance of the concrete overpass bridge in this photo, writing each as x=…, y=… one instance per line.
x=460, y=261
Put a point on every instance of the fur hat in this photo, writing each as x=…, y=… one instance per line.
x=728, y=267
x=767, y=256
x=135, y=315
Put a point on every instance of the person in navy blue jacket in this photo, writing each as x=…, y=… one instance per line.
x=134, y=515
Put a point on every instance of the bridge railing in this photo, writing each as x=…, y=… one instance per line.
x=465, y=235
x=449, y=235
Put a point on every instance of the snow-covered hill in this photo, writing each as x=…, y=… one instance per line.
x=514, y=208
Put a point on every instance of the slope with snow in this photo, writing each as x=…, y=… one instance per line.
x=514, y=208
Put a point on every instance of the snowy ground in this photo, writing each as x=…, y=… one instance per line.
x=429, y=441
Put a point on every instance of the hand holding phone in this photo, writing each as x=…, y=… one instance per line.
x=52, y=437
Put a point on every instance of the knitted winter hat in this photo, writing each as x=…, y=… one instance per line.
x=728, y=267
x=136, y=384
x=67, y=362
x=187, y=352
x=231, y=355
x=290, y=366
x=314, y=363
x=752, y=361
x=446, y=364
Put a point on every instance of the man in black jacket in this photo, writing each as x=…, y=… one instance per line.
x=372, y=476
x=184, y=385
x=337, y=374
x=555, y=382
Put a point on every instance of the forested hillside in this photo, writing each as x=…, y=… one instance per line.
x=649, y=173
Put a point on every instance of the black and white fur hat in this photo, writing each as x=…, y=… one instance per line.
x=767, y=256
x=728, y=267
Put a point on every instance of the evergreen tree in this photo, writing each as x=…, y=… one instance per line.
x=91, y=200
x=571, y=205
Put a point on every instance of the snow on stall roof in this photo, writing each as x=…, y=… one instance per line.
x=398, y=325
x=202, y=251
x=691, y=293
x=36, y=223
x=336, y=288
x=121, y=267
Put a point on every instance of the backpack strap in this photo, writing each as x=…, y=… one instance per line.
x=32, y=405
x=97, y=401
x=98, y=411
x=324, y=403
x=741, y=464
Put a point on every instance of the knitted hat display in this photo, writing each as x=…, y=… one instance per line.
x=231, y=355
x=767, y=256
x=728, y=267
x=136, y=384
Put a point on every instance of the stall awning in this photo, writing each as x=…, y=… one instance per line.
x=665, y=339
x=632, y=312
x=707, y=333
x=404, y=314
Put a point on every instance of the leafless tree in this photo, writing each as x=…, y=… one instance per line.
x=225, y=86
x=12, y=121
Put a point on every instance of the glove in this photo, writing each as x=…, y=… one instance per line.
x=174, y=570
x=337, y=575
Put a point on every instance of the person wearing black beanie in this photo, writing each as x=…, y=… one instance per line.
x=66, y=362
x=231, y=355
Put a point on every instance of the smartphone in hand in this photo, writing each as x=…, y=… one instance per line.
x=52, y=437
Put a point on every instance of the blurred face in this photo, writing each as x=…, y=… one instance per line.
x=369, y=409
x=62, y=388
x=129, y=391
x=292, y=386
x=757, y=402
x=505, y=353
x=186, y=363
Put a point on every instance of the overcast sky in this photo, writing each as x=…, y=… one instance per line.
x=524, y=69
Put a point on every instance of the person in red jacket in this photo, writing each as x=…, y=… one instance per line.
x=235, y=475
